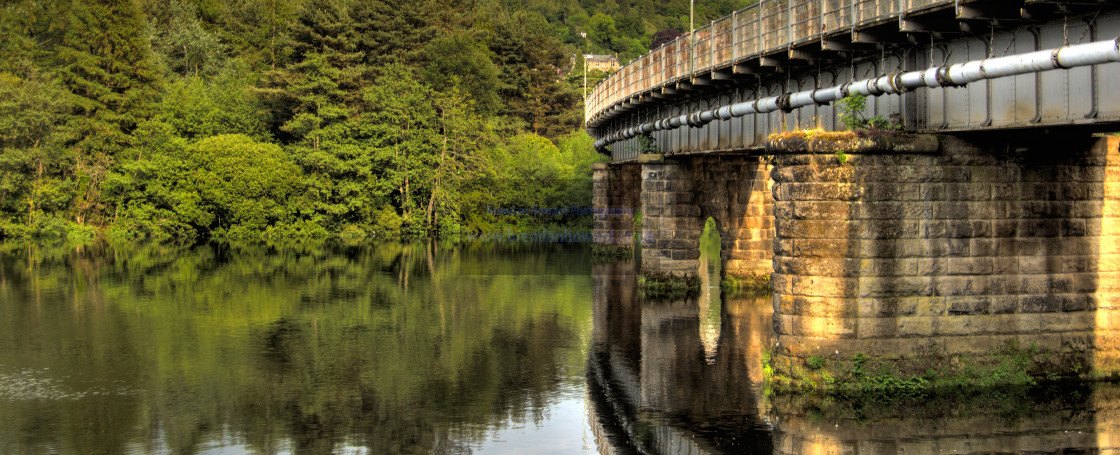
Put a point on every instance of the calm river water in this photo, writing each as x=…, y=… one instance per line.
x=432, y=348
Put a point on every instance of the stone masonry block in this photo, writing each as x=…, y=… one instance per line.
x=895, y=286
x=825, y=286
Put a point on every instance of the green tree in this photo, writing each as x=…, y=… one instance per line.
x=403, y=127
x=318, y=100
x=601, y=29
x=335, y=162
x=181, y=41
x=36, y=187
x=460, y=60
x=463, y=138
x=531, y=61
x=198, y=107
x=256, y=30
x=105, y=62
x=243, y=186
x=394, y=31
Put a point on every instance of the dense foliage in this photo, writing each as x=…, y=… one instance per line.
x=189, y=120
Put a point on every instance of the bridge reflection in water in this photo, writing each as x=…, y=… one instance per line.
x=655, y=387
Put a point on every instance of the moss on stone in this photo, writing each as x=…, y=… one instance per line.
x=658, y=285
x=602, y=252
x=932, y=371
x=848, y=142
x=1004, y=403
x=754, y=282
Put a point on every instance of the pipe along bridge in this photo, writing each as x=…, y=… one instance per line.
x=986, y=216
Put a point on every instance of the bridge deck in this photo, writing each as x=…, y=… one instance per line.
x=764, y=36
x=778, y=48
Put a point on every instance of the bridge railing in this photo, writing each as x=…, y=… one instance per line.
x=775, y=19
x=837, y=14
x=871, y=11
x=914, y=5
x=767, y=27
x=805, y=21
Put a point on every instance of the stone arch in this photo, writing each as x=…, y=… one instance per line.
x=736, y=192
x=678, y=195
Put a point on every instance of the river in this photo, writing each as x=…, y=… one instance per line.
x=437, y=348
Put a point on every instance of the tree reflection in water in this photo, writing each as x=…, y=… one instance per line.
x=395, y=348
x=432, y=349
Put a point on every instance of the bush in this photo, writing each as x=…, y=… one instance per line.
x=386, y=222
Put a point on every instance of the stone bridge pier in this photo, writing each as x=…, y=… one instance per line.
x=900, y=247
x=616, y=192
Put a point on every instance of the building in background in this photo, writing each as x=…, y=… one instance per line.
x=602, y=62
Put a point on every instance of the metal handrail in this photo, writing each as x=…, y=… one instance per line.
x=805, y=20
x=763, y=28
x=836, y=15
x=775, y=23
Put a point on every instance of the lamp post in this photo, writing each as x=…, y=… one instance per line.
x=691, y=39
x=584, y=58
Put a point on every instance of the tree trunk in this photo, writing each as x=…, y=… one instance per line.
x=435, y=188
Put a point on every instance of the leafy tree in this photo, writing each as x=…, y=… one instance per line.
x=461, y=61
x=463, y=138
x=181, y=41
x=106, y=64
x=243, y=186
x=394, y=114
x=153, y=194
x=198, y=107
x=531, y=62
x=256, y=30
x=601, y=28
x=403, y=127
x=318, y=99
x=324, y=28
x=630, y=26
x=36, y=187
x=394, y=31
x=663, y=37
x=337, y=165
x=18, y=26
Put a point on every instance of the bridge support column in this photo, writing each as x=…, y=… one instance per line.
x=933, y=248
x=671, y=223
x=616, y=191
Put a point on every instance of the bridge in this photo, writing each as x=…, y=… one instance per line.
x=776, y=49
x=986, y=215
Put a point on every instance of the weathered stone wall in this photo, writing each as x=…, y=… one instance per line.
x=962, y=250
x=679, y=196
x=671, y=223
x=617, y=189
